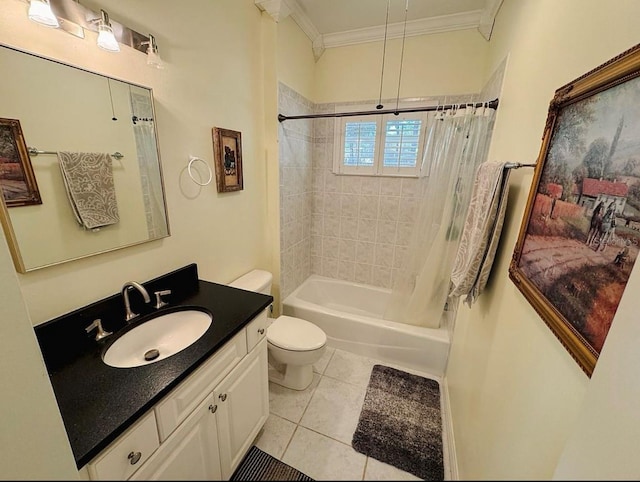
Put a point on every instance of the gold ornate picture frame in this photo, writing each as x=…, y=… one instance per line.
x=580, y=233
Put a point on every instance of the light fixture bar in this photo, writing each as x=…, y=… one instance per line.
x=75, y=18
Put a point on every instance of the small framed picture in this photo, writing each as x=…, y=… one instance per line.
x=227, y=151
x=17, y=180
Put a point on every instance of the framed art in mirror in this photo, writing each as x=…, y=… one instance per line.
x=580, y=232
x=227, y=152
x=17, y=181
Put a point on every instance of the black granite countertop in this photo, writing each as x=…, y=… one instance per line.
x=99, y=402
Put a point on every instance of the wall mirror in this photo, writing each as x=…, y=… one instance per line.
x=61, y=108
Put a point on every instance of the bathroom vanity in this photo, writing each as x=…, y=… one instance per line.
x=192, y=415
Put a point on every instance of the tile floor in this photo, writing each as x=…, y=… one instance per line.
x=311, y=430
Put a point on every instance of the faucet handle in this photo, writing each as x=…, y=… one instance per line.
x=159, y=302
x=97, y=324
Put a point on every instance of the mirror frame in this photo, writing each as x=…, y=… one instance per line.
x=5, y=219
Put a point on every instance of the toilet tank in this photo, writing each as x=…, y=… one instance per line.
x=257, y=280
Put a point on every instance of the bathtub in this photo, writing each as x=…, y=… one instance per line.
x=351, y=316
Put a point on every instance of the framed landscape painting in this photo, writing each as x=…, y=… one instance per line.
x=580, y=233
x=17, y=180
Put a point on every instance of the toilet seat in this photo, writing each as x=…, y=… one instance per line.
x=295, y=334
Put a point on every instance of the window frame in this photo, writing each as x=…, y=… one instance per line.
x=378, y=168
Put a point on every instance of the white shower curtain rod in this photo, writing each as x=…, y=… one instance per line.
x=492, y=104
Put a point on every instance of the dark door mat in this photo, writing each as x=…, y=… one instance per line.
x=400, y=423
x=259, y=465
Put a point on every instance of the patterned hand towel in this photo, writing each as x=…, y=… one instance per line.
x=88, y=179
x=481, y=232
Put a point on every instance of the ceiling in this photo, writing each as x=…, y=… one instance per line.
x=335, y=23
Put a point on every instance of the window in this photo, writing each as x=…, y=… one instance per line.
x=382, y=145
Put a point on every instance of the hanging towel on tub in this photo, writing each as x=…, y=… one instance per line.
x=481, y=232
x=88, y=180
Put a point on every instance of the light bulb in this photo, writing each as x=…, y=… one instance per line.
x=106, y=39
x=154, y=59
x=40, y=11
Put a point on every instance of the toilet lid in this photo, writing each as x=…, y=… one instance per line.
x=295, y=334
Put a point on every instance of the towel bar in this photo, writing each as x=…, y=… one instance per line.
x=517, y=165
x=34, y=152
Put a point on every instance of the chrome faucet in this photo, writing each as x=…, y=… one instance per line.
x=129, y=315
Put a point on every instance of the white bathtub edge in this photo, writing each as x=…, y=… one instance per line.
x=419, y=348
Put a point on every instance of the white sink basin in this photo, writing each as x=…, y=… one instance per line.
x=158, y=338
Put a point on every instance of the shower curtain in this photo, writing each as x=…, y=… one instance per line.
x=148, y=162
x=457, y=142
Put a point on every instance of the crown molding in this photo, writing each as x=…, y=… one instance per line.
x=307, y=26
x=277, y=9
x=280, y=9
x=488, y=18
x=482, y=20
x=443, y=23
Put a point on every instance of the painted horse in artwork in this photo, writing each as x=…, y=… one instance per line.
x=607, y=228
x=596, y=222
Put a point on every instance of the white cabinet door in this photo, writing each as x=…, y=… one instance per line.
x=176, y=407
x=191, y=451
x=243, y=407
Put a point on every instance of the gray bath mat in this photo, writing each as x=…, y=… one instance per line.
x=401, y=424
x=259, y=465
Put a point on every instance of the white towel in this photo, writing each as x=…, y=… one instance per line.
x=481, y=232
x=88, y=179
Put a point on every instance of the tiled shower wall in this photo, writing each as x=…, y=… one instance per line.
x=360, y=225
x=355, y=228
x=295, y=147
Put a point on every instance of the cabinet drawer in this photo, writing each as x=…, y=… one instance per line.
x=256, y=330
x=128, y=452
x=178, y=404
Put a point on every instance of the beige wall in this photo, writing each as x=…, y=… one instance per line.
x=296, y=65
x=213, y=77
x=439, y=64
x=33, y=442
x=515, y=392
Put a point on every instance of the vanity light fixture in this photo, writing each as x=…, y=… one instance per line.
x=106, y=38
x=153, y=57
x=40, y=11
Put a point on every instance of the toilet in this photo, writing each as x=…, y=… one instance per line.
x=293, y=344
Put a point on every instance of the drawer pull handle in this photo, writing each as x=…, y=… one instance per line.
x=213, y=408
x=261, y=331
x=222, y=396
x=134, y=457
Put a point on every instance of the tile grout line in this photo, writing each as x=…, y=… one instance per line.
x=308, y=403
x=305, y=409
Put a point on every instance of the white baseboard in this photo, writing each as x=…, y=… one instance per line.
x=449, y=445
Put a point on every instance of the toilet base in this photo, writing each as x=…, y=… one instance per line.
x=295, y=377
